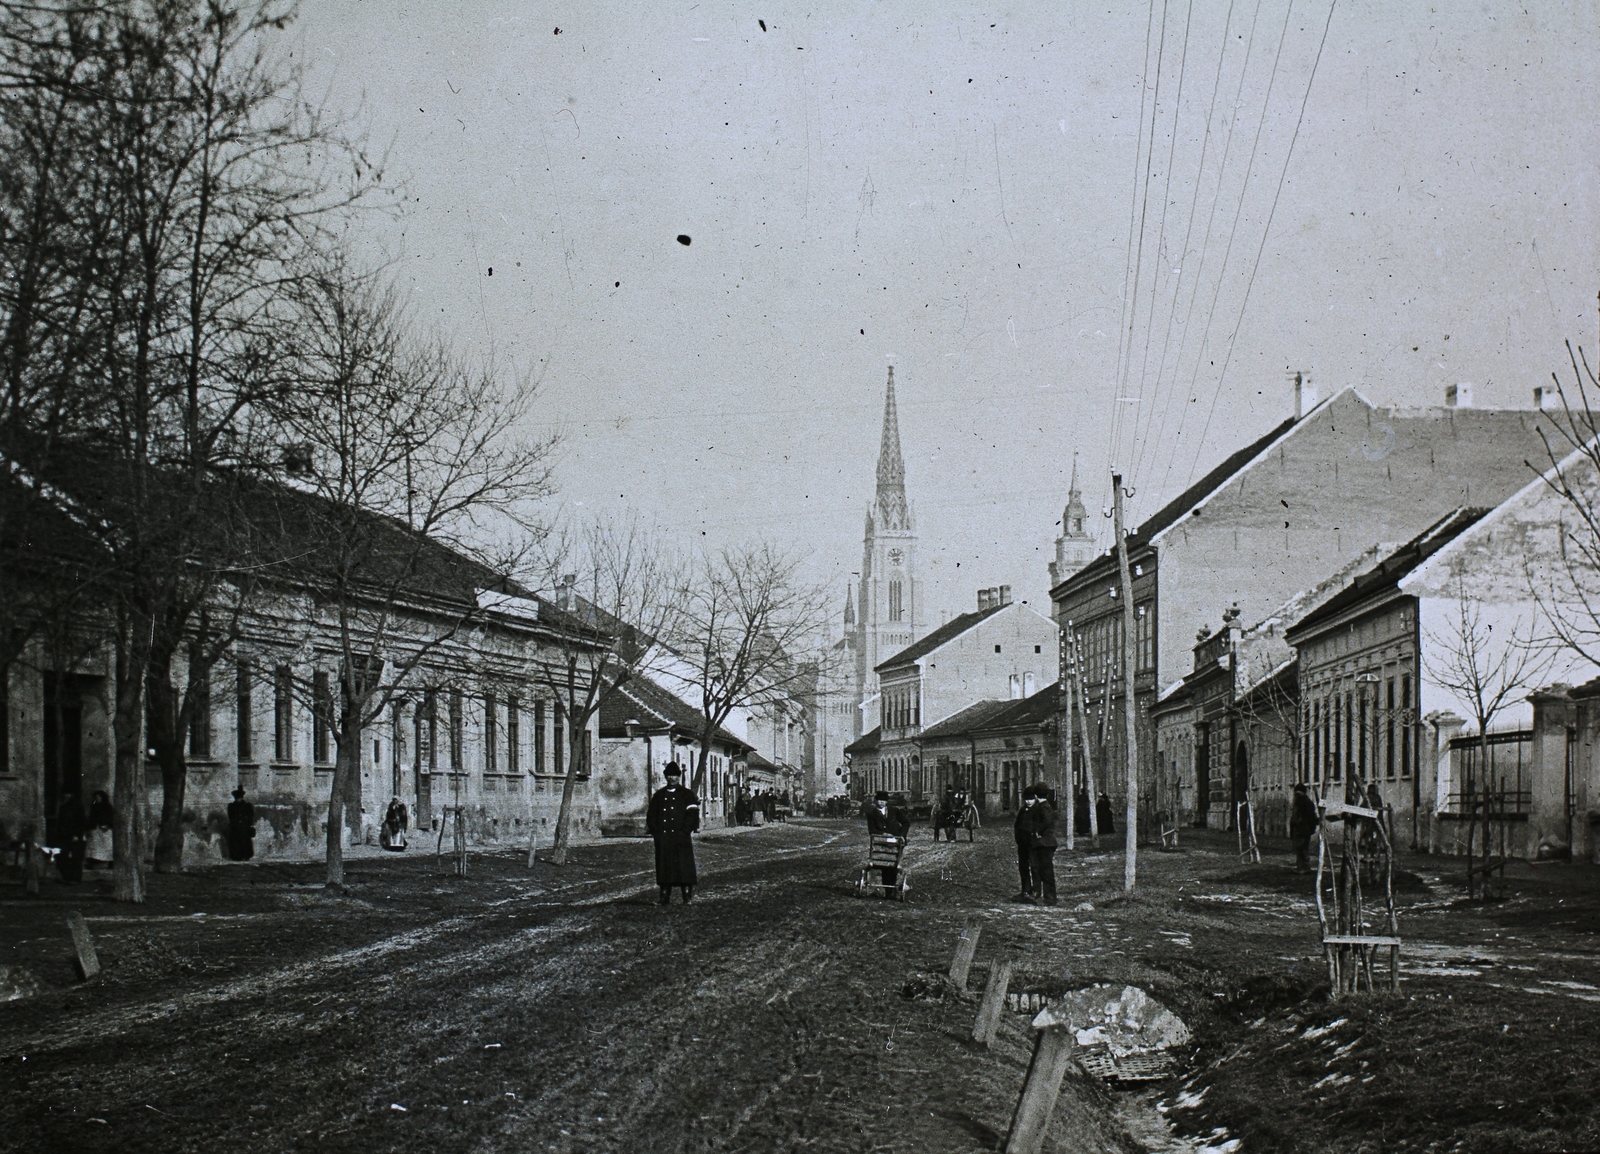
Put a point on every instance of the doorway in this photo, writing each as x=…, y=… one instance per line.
x=1202, y=773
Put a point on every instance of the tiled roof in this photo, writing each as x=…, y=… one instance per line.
x=1387, y=573
x=949, y=631
x=964, y=720
x=640, y=699
x=866, y=743
x=1178, y=508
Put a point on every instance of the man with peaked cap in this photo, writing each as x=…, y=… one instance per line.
x=674, y=816
x=1024, y=849
x=1038, y=820
x=241, y=828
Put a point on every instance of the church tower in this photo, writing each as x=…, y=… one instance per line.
x=1075, y=547
x=888, y=603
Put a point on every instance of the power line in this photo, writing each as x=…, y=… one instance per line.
x=1282, y=175
x=1188, y=233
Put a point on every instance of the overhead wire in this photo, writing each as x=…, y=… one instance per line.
x=1183, y=257
x=1138, y=260
x=1266, y=229
x=1147, y=404
x=1233, y=229
x=1127, y=271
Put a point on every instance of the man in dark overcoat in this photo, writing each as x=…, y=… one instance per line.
x=674, y=816
x=1039, y=820
x=1024, y=848
x=885, y=816
x=1302, y=824
x=241, y=828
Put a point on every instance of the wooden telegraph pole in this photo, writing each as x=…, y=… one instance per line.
x=1131, y=820
x=1066, y=738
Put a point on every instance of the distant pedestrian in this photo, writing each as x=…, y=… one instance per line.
x=1039, y=819
x=1024, y=851
x=241, y=828
x=1080, y=811
x=72, y=835
x=1302, y=824
x=101, y=818
x=395, y=823
x=674, y=817
x=1102, y=815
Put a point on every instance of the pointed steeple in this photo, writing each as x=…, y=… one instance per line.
x=1074, y=522
x=849, y=606
x=891, y=501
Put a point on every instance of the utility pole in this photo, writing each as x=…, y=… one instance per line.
x=1129, y=669
x=1066, y=734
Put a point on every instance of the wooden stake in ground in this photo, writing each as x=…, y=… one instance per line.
x=88, y=961
x=965, y=948
x=1052, y=1050
x=1130, y=865
x=994, y=1000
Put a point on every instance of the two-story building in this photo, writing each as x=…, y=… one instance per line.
x=1278, y=516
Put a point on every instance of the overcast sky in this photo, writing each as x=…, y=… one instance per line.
x=970, y=192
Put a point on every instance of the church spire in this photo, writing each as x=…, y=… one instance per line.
x=891, y=502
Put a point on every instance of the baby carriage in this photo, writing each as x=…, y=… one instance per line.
x=884, y=854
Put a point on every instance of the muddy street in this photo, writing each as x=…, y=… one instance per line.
x=565, y=1009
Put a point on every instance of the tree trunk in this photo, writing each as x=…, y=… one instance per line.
x=346, y=780
x=577, y=748
x=127, y=724
x=166, y=738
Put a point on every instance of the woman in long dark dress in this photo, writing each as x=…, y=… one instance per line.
x=72, y=832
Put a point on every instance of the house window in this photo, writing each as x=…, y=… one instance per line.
x=1407, y=729
x=896, y=601
x=429, y=728
x=199, y=727
x=243, y=720
x=282, y=714
x=513, y=737
x=538, y=737
x=1388, y=734
x=321, y=716
x=558, y=744
x=1145, y=636
x=455, y=730
x=490, y=734
x=1027, y=681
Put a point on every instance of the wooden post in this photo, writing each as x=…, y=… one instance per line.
x=1130, y=671
x=1052, y=1050
x=88, y=960
x=1066, y=746
x=965, y=948
x=994, y=998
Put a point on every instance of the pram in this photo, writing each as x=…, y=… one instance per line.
x=884, y=852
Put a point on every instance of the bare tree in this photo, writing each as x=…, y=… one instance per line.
x=1483, y=670
x=623, y=594
x=173, y=174
x=417, y=495
x=747, y=618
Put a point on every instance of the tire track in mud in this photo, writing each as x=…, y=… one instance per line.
x=301, y=978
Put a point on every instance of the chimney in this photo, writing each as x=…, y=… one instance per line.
x=1459, y=396
x=983, y=599
x=565, y=594
x=1005, y=595
x=1305, y=394
x=1546, y=397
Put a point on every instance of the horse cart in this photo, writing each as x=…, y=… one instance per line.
x=958, y=812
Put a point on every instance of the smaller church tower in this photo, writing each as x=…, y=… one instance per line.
x=1075, y=547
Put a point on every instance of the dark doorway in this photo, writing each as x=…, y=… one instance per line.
x=1202, y=773
x=63, y=745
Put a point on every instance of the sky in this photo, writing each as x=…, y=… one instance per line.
x=1106, y=231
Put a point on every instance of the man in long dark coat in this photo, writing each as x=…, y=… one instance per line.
x=72, y=837
x=1024, y=841
x=674, y=816
x=241, y=828
x=1302, y=824
x=1038, y=820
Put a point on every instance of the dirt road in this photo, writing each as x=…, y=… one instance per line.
x=565, y=1010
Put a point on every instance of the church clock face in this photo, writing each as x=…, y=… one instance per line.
x=896, y=556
